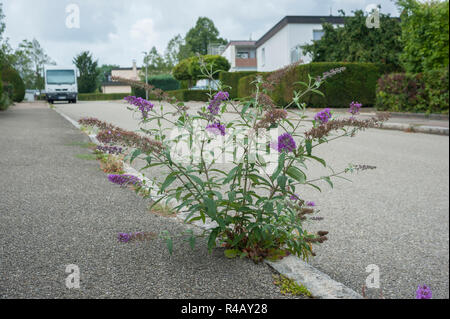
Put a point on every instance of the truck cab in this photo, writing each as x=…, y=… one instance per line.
x=61, y=83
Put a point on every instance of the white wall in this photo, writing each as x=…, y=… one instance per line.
x=276, y=53
x=230, y=54
x=278, y=48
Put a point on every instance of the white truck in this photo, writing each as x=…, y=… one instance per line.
x=61, y=83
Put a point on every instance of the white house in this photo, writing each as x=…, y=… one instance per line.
x=281, y=45
x=241, y=55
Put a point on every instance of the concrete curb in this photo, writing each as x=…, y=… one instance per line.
x=318, y=283
x=438, y=130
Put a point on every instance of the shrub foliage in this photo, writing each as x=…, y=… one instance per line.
x=357, y=83
x=425, y=92
x=11, y=76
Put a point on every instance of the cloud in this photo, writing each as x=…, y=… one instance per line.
x=143, y=31
x=117, y=31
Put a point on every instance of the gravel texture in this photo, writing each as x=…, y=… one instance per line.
x=57, y=209
x=396, y=217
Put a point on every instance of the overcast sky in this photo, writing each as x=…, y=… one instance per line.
x=117, y=31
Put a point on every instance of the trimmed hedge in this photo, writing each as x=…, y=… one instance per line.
x=190, y=95
x=231, y=79
x=357, y=83
x=11, y=76
x=417, y=93
x=165, y=82
x=101, y=96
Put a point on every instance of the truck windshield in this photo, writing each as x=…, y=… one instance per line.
x=60, y=77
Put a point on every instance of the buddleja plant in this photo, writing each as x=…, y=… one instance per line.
x=250, y=191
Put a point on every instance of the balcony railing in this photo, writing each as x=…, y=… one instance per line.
x=246, y=63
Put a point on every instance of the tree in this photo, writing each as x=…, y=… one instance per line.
x=5, y=49
x=425, y=29
x=29, y=60
x=87, y=82
x=103, y=72
x=202, y=34
x=155, y=62
x=189, y=69
x=177, y=50
x=355, y=42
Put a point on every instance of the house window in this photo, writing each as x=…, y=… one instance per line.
x=263, y=56
x=318, y=34
x=242, y=55
x=296, y=54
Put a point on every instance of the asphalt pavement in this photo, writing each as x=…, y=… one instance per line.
x=58, y=209
x=395, y=217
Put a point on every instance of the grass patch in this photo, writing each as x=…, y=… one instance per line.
x=163, y=210
x=89, y=145
x=111, y=164
x=290, y=287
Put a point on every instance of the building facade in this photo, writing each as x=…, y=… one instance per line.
x=109, y=86
x=241, y=55
x=281, y=45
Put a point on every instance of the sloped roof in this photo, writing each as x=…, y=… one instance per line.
x=298, y=20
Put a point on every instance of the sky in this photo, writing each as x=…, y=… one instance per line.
x=118, y=31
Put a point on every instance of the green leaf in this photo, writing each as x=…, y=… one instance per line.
x=232, y=173
x=320, y=160
x=328, y=180
x=211, y=208
x=135, y=154
x=232, y=253
x=169, y=180
x=192, y=242
x=282, y=182
x=308, y=144
x=212, y=239
x=280, y=166
x=296, y=174
x=169, y=244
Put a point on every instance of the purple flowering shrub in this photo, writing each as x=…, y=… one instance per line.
x=251, y=193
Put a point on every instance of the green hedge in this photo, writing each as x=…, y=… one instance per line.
x=231, y=79
x=417, y=93
x=4, y=98
x=245, y=86
x=190, y=95
x=165, y=82
x=101, y=96
x=356, y=83
x=11, y=76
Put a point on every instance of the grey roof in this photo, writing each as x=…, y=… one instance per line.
x=298, y=20
x=247, y=43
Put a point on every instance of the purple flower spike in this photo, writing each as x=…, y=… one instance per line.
x=294, y=197
x=124, y=180
x=216, y=128
x=142, y=104
x=214, y=105
x=354, y=108
x=323, y=116
x=124, y=237
x=424, y=292
x=285, y=143
x=310, y=204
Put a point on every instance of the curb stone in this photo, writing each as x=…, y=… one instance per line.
x=416, y=128
x=318, y=283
